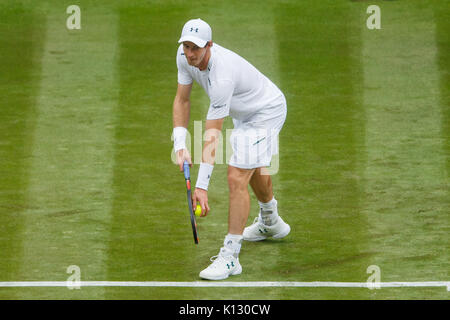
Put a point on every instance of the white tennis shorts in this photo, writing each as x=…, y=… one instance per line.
x=255, y=142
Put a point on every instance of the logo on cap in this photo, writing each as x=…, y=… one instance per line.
x=196, y=31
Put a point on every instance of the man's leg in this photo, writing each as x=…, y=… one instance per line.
x=227, y=261
x=268, y=223
x=261, y=183
x=239, y=209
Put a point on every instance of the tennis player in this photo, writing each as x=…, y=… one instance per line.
x=258, y=109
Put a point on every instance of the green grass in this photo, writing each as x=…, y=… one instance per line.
x=326, y=137
x=85, y=150
x=21, y=32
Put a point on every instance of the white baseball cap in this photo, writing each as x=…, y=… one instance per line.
x=196, y=31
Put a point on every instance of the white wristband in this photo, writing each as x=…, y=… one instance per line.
x=204, y=175
x=179, y=138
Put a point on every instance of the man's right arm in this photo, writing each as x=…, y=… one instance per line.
x=181, y=113
x=182, y=106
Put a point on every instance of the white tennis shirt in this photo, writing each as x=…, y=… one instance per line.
x=235, y=87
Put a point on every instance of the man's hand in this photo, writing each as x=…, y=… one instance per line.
x=182, y=155
x=201, y=196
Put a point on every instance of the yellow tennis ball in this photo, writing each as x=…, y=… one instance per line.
x=198, y=211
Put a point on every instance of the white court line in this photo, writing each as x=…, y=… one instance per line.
x=202, y=284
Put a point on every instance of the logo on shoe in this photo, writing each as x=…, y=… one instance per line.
x=232, y=265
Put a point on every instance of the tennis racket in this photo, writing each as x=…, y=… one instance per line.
x=187, y=177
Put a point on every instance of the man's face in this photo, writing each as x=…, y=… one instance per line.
x=193, y=53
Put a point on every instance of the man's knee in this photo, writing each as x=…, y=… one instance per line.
x=238, y=179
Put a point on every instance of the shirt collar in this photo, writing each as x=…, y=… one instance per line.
x=210, y=62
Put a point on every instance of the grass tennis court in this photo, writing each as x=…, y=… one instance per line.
x=86, y=176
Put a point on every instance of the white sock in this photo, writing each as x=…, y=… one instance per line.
x=233, y=243
x=269, y=212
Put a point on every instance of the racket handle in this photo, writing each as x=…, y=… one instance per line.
x=186, y=170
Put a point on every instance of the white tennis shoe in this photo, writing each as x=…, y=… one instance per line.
x=225, y=264
x=259, y=231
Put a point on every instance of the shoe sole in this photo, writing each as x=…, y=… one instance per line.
x=255, y=239
x=236, y=272
x=279, y=235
